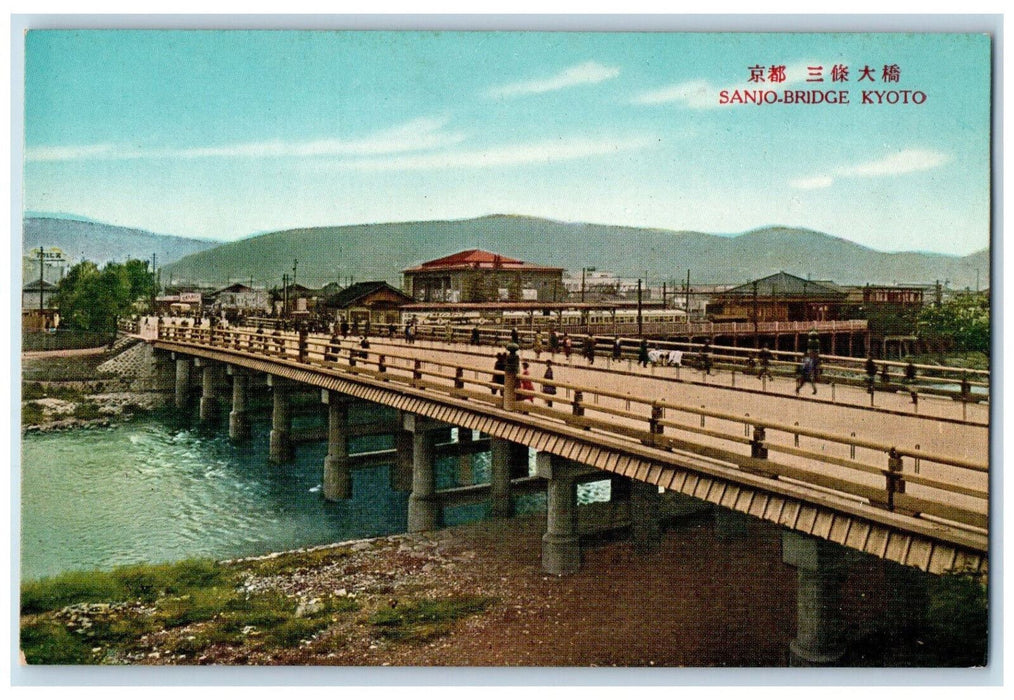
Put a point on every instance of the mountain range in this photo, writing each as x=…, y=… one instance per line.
x=381, y=251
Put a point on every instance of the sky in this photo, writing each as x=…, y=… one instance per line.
x=224, y=134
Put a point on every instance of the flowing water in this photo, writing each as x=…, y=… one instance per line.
x=153, y=490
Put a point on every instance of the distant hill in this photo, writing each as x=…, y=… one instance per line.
x=100, y=243
x=381, y=251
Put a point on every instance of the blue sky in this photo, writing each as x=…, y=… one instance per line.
x=225, y=134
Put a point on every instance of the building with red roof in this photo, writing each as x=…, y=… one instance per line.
x=472, y=276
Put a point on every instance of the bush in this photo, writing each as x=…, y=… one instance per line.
x=425, y=619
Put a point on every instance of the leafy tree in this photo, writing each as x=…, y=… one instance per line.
x=91, y=299
x=962, y=321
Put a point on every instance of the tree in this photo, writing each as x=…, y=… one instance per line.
x=91, y=299
x=962, y=322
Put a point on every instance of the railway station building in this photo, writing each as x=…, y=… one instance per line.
x=479, y=276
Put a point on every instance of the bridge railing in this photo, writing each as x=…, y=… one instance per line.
x=909, y=481
x=889, y=375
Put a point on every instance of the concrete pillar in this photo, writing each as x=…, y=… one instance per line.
x=280, y=447
x=820, y=624
x=518, y=459
x=162, y=369
x=730, y=524
x=401, y=470
x=466, y=474
x=423, y=507
x=182, y=382
x=907, y=599
x=337, y=481
x=239, y=420
x=501, y=503
x=209, y=396
x=645, y=516
x=561, y=548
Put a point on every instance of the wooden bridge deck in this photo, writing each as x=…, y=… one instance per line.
x=908, y=487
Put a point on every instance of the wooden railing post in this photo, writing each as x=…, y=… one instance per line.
x=459, y=378
x=895, y=480
x=576, y=408
x=758, y=450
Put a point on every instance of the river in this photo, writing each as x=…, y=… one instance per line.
x=152, y=490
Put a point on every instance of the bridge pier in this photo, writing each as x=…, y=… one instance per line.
x=645, y=516
x=182, y=382
x=820, y=623
x=280, y=445
x=239, y=420
x=337, y=481
x=423, y=506
x=210, y=375
x=561, y=547
x=730, y=524
x=501, y=502
x=401, y=470
x=466, y=472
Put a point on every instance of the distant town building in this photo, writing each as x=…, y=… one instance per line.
x=780, y=297
x=376, y=302
x=480, y=276
x=37, y=294
x=239, y=298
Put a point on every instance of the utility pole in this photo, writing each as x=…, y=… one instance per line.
x=285, y=294
x=42, y=278
x=688, y=296
x=755, y=332
x=640, y=324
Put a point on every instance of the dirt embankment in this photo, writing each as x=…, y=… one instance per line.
x=62, y=390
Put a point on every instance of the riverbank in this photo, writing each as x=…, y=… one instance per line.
x=472, y=595
x=475, y=595
x=64, y=390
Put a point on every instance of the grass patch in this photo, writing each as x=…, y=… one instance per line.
x=422, y=620
x=144, y=582
x=32, y=414
x=49, y=642
x=291, y=562
x=87, y=410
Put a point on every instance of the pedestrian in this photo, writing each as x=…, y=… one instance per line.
x=391, y=331
x=805, y=374
x=514, y=336
x=345, y=328
x=333, y=348
x=549, y=389
x=871, y=372
x=526, y=383
x=554, y=342
x=706, y=357
x=567, y=346
x=475, y=335
x=498, y=371
x=411, y=334
x=909, y=373
x=537, y=344
x=589, y=349
x=617, y=348
x=642, y=353
x=765, y=363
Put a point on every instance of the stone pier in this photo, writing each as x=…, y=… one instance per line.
x=280, y=448
x=239, y=420
x=561, y=547
x=401, y=470
x=210, y=374
x=423, y=506
x=820, y=624
x=501, y=502
x=182, y=382
x=645, y=516
x=337, y=472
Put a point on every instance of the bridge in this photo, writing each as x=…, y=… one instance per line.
x=864, y=467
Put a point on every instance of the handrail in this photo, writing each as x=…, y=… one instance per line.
x=404, y=368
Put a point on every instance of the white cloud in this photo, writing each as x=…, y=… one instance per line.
x=910, y=160
x=817, y=182
x=907, y=161
x=581, y=74
x=57, y=153
x=421, y=134
x=537, y=153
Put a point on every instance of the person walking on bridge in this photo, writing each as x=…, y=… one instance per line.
x=537, y=344
x=554, y=342
x=617, y=348
x=871, y=372
x=589, y=349
x=475, y=339
x=765, y=363
x=549, y=389
x=642, y=353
